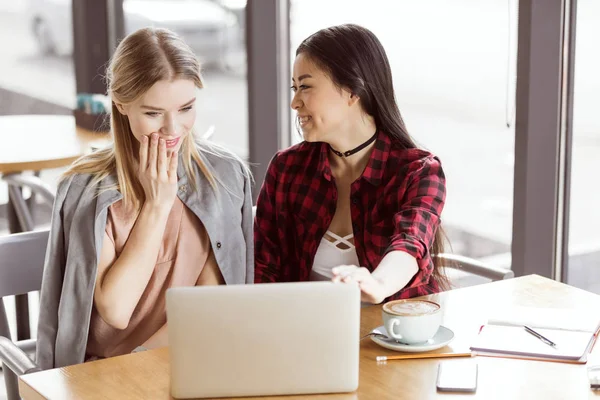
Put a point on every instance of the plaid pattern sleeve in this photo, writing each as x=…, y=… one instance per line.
x=417, y=221
x=266, y=237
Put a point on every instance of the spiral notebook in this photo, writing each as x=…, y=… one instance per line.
x=573, y=333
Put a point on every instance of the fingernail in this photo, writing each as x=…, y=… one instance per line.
x=144, y=138
x=162, y=142
x=154, y=136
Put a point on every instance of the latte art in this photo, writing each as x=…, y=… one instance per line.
x=411, y=307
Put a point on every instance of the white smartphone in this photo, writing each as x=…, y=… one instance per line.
x=457, y=377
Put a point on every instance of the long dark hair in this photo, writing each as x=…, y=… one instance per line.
x=354, y=59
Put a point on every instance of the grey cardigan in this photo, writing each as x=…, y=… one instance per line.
x=77, y=231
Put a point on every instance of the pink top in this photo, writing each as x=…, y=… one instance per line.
x=182, y=258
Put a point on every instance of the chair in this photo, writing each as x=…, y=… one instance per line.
x=21, y=267
x=474, y=267
x=22, y=212
x=20, y=219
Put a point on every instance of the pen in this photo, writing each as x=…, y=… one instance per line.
x=537, y=335
x=423, y=355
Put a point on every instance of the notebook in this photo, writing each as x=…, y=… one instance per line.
x=548, y=318
x=574, y=334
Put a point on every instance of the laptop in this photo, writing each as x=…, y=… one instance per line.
x=263, y=339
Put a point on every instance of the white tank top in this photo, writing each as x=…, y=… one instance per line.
x=333, y=254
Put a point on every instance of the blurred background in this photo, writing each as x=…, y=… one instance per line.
x=454, y=65
x=455, y=74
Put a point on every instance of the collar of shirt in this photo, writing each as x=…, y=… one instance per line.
x=373, y=172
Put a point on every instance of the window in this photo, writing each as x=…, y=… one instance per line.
x=37, y=66
x=584, y=232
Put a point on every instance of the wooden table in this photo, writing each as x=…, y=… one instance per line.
x=146, y=375
x=35, y=143
x=38, y=142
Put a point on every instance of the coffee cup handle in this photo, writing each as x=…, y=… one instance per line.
x=389, y=326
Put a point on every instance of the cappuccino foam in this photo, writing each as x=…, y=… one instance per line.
x=413, y=307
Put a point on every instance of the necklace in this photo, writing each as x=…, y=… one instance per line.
x=356, y=149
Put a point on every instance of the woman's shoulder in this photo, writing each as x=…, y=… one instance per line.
x=222, y=161
x=413, y=158
x=300, y=153
x=90, y=170
x=302, y=149
x=79, y=187
x=74, y=183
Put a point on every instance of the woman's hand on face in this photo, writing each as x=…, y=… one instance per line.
x=372, y=290
x=157, y=172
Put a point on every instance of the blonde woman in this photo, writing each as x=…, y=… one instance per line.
x=157, y=209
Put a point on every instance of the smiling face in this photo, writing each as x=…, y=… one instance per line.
x=167, y=108
x=324, y=110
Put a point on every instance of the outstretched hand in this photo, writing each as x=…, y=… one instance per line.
x=372, y=290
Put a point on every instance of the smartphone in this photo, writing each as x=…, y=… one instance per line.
x=457, y=377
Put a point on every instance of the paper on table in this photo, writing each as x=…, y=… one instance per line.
x=547, y=318
x=515, y=340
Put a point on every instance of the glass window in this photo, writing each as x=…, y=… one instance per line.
x=214, y=29
x=453, y=64
x=36, y=77
x=37, y=63
x=584, y=235
x=36, y=68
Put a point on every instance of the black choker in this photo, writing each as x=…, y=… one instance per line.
x=356, y=149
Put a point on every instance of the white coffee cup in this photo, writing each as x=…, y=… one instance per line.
x=412, y=321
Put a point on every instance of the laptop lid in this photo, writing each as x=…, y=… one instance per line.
x=263, y=339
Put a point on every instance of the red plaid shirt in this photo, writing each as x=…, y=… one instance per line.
x=395, y=205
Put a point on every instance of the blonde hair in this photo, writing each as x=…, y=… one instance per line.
x=143, y=58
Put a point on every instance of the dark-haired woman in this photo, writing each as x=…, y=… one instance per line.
x=357, y=201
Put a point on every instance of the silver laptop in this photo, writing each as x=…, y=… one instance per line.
x=264, y=339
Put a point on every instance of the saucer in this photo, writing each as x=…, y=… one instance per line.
x=442, y=337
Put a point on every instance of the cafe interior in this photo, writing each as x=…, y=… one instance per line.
x=503, y=92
